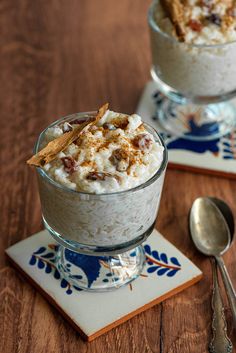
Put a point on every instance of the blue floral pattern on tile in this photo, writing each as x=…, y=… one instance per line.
x=160, y=264
x=90, y=265
x=44, y=258
x=224, y=147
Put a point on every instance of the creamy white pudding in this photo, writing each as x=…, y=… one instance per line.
x=104, y=188
x=115, y=154
x=195, y=53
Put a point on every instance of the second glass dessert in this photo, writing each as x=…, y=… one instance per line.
x=193, y=53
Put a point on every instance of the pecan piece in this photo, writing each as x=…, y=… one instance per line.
x=142, y=142
x=122, y=124
x=69, y=164
x=119, y=122
x=120, y=158
x=94, y=176
x=195, y=25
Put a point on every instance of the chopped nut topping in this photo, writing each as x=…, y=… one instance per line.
x=93, y=158
x=120, y=158
x=195, y=25
x=69, y=164
x=120, y=122
x=143, y=142
x=94, y=176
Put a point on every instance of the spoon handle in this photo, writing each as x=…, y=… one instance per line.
x=229, y=287
x=220, y=342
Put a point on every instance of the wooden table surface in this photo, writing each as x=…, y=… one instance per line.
x=60, y=57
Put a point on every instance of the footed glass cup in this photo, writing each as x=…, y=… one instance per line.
x=100, y=235
x=198, y=80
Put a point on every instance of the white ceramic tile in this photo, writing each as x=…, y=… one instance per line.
x=92, y=312
x=213, y=156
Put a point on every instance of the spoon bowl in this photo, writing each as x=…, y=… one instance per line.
x=209, y=230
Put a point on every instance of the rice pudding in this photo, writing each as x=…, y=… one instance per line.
x=101, y=177
x=194, y=45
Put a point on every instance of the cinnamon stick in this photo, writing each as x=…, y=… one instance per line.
x=175, y=11
x=49, y=153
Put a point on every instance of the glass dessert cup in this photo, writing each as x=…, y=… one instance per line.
x=100, y=235
x=198, y=81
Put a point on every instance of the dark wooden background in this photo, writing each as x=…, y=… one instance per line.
x=58, y=57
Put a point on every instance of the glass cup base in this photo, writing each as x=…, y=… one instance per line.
x=197, y=122
x=100, y=273
x=197, y=118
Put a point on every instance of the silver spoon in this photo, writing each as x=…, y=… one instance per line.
x=229, y=218
x=213, y=239
x=211, y=235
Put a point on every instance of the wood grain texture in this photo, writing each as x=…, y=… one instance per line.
x=59, y=57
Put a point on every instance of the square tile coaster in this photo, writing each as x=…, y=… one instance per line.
x=167, y=271
x=216, y=157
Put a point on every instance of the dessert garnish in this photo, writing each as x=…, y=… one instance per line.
x=104, y=152
x=120, y=158
x=192, y=17
x=49, y=153
x=69, y=164
x=94, y=176
x=175, y=11
x=195, y=25
x=142, y=142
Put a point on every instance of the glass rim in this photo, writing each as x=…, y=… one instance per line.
x=148, y=182
x=156, y=28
